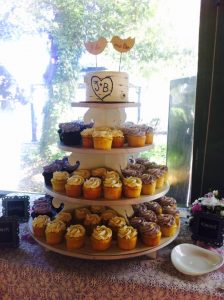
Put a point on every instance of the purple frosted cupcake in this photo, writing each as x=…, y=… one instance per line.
x=42, y=206
x=50, y=169
x=136, y=222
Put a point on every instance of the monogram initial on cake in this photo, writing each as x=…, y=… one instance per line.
x=102, y=87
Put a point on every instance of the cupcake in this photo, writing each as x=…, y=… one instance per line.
x=136, y=137
x=150, y=234
x=87, y=139
x=65, y=217
x=154, y=206
x=39, y=225
x=66, y=166
x=42, y=206
x=112, y=174
x=101, y=238
x=164, y=168
x=170, y=210
x=158, y=174
x=118, y=138
x=75, y=237
x=112, y=188
x=141, y=160
x=80, y=214
x=138, y=207
x=107, y=215
x=128, y=172
x=59, y=180
x=102, y=140
x=54, y=232
x=73, y=187
x=136, y=222
x=168, y=201
x=83, y=173
x=115, y=223
x=127, y=237
x=49, y=170
x=99, y=172
x=92, y=188
x=90, y=222
x=148, y=215
x=138, y=167
x=132, y=187
x=97, y=209
x=148, y=184
x=148, y=134
x=167, y=225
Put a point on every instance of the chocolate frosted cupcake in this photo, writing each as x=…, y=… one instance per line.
x=137, y=167
x=148, y=184
x=141, y=160
x=136, y=137
x=148, y=215
x=139, y=207
x=168, y=201
x=70, y=132
x=167, y=224
x=154, y=206
x=128, y=172
x=150, y=233
x=136, y=222
x=158, y=174
x=170, y=210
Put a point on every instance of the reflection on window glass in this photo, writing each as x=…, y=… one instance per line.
x=43, y=61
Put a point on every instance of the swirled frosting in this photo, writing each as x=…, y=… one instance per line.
x=117, y=221
x=75, y=231
x=99, y=172
x=117, y=133
x=136, y=132
x=92, y=219
x=170, y=210
x=102, y=233
x=111, y=182
x=166, y=220
x=149, y=229
x=92, y=182
x=148, y=215
x=40, y=221
x=64, y=216
x=55, y=226
x=148, y=179
x=60, y=175
x=104, y=134
x=112, y=174
x=136, y=221
x=108, y=214
x=157, y=173
x=81, y=212
x=154, y=206
x=127, y=232
x=133, y=182
x=82, y=172
x=167, y=201
x=97, y=209
x=75, y=180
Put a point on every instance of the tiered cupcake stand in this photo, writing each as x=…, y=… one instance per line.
x=111, y=115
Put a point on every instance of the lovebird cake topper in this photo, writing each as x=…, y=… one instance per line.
x=119, y=44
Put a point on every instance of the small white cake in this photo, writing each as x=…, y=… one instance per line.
x=106, y=86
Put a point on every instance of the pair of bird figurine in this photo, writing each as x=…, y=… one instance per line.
x=121, y=45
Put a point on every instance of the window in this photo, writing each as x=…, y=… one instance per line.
x=43, y=61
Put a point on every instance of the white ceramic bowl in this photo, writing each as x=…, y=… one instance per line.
x=193, y=260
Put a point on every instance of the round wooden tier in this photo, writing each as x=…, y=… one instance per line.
x=114, y=151
x=122, y=202
x=113, y=253
x=105, y=105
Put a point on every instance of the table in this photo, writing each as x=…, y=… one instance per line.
x=31, y=272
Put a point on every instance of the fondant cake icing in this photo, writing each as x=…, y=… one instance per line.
x=106, y=86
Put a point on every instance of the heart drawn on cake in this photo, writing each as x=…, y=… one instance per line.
x=102, y=87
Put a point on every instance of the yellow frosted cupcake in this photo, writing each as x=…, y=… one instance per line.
x=39, y=225
x=167, y=225
x=132, y=187
x=73, y=187
x=92, y=188
x=102, y=140
x=54, y=232
x=127, y=237
x=101, y=238
x=75, y=237
x=59, y=180
x=112, y=174
x=112, y=188
x=118, y=138
x=115, y=223
x=65, y=217
x=83, y=173
x=87, y=138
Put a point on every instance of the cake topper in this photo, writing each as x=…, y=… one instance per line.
x=119, y=44
x=96, y=47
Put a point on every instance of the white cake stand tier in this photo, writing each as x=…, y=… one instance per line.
x=113, y=253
